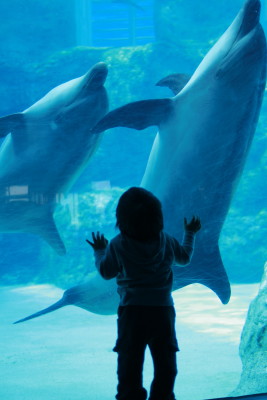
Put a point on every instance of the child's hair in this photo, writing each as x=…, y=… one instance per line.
x=139, y=214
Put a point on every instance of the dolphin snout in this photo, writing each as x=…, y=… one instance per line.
x=251, y=17
x=98, y=74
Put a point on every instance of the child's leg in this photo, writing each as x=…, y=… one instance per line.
x=163, y=346
x=130, y=346
x=165, y=371
x=130, y=366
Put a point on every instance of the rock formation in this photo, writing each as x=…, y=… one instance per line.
x=253, y=345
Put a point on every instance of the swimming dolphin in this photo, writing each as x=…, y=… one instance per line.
x=95, y=295
x=46, y=148
x=196, y=160
x=204, y=136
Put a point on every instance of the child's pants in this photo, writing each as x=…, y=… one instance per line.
x=139, y=326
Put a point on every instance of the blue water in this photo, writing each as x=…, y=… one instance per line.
x=45, y=44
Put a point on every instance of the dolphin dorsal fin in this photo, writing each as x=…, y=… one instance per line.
x=137, y=115
x=175, y=82
x=9, y=123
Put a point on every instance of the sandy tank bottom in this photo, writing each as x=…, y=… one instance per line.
x=67, y=355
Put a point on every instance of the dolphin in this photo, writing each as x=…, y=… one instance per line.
x=45, y=149
x=95, y=295
x=205, y=132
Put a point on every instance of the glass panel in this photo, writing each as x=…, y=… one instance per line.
x=64, y=65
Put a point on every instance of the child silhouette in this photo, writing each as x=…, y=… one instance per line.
x=141, y=258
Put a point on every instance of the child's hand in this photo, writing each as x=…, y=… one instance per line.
x=99, y=241
x=193, y=226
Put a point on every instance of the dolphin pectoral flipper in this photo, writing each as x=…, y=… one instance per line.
x=137, y=115
x=51, y=235
x=59, y=304
x=9, y=123
x=46, y=228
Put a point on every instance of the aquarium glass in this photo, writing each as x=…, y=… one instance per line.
x=61, y=178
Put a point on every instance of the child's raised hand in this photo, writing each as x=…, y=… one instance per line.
x=99, y=241
x=193, y=226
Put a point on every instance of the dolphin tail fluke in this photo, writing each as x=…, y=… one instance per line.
x=206, y=269
x=137, y=115
x=219, y=284
x=59, y=304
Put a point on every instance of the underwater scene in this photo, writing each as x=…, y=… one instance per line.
x=98, y=96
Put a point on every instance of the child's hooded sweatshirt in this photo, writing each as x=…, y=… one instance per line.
x=143, y=269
